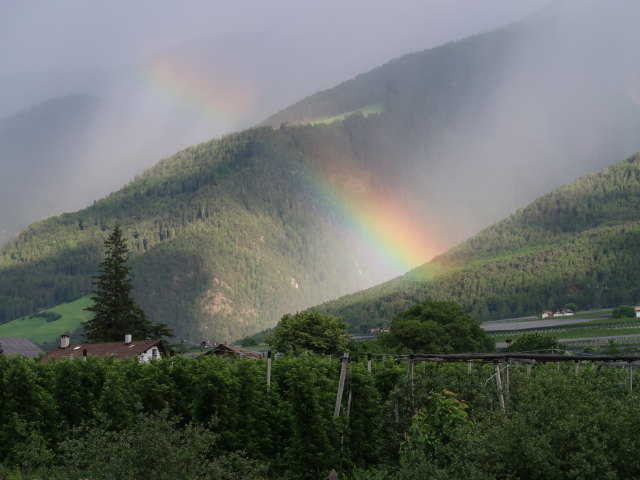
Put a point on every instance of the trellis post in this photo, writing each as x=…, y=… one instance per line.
x=343, y=376
x=268, y=369
x=496, y=366
x=411, y=362
x=506, y=380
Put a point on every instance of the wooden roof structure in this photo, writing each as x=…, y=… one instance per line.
x=517, y=356
x=103, y=349
x=224, y=349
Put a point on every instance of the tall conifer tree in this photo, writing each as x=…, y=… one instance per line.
x=116, y=312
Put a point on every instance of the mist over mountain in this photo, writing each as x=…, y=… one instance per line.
x=495, y=120
x=353, y=185
x=169, y=75
x=139, y=114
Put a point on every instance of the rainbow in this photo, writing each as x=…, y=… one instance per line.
x=389, y=228
x=199, y=88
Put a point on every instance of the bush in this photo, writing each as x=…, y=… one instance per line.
x=47, y=315
x=623, y=311
x=154, y=446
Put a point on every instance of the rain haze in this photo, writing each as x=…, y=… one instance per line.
x=127, y=83
x=141, y=58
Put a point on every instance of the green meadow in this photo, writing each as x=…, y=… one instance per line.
x=599, y=327
x=373, y=109
x=39, y=330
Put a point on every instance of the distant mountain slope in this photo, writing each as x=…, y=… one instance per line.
x=38, y=153
x=230, y=234
x=491, y=122
x=578, y=244
x=69, y=138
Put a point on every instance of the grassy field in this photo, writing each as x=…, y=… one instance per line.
x=40, y=331
x=365, y=111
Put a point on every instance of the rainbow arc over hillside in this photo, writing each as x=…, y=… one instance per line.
x=389, y=227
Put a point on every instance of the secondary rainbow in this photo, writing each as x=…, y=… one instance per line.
x=206, y=90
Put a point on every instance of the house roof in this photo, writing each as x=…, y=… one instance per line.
x=19, y=346
x=223, y=349
x=104, y=349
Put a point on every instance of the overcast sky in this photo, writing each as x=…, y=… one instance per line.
x=92, y=34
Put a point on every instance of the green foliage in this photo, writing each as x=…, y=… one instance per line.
x=309, y=331
x=115, y=311
x=184, y=418
x=152, y=446
x=623, y=311
x=437, y=326
x=612, y=348
x=248, y=342
x=433, y=424
x=47, y=315
x=534, y=343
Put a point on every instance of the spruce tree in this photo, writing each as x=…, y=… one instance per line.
x=116, y=312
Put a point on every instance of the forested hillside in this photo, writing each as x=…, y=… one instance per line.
x=226, y=236
x=578, y=244
x=229, y=235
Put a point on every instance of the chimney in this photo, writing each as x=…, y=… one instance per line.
x=64, y=340
x=127, y=339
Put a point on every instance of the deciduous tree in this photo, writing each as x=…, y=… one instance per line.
x=310, y=331
x=437, y=326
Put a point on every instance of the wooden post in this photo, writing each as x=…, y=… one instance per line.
x=268, y=369
x=396, y=410
x=343, y=376
x=411, y=356
x=529, y=368
x=576, y=367
x=499, y=385
x=411, y=361
x=506, y=380
x=469, y=364
x=369, y=362
x=629, y=376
